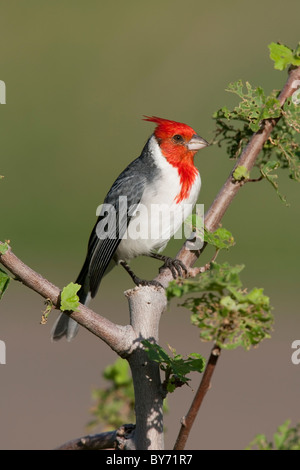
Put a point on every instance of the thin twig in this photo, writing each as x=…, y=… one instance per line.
x=254, y=180
x=188, y=420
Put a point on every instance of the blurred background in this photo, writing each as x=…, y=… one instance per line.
x=79, y=77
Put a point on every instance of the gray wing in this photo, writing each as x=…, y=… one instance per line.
x=111, y=226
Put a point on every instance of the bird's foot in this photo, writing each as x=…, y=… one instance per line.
x=142, y=282
x=137, y=280
x=176, y=267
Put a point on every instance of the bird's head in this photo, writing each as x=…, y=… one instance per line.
x=178, y=142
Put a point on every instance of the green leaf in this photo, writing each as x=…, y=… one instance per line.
x=118, y=372
x=241, y=173
x=260, y=441
x=3, y=248
x=228, y=303
x=115, y=403
x=281, y=435
x=271, y=108
x=155, y=352
x=220, y=238
x=171, y=385
x=69, y=299
x=4, y=281
x=176, y=368
x=283, y=56
x=267, y=172
x=256, y=297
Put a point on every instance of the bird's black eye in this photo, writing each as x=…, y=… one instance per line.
x=178, y=138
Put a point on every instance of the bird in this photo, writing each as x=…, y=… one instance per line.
x=144, y=208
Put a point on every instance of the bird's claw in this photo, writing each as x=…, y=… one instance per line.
x=176, y=267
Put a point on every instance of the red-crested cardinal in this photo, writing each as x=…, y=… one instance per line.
x=145, y=206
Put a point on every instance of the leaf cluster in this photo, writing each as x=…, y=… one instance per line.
x=224, y=311
x=3, y=247
x=253, y=107
x=115, y=404
x=285, y=438
x=235, y=127
x=175, y=367
x=284, y=142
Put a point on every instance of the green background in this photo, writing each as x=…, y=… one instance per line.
x=79, y=77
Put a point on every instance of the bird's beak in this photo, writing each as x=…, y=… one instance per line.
x=197, y=143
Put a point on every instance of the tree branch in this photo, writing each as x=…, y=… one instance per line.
x=119, y=338
x=104, y=440
x=188, y=420
x=146, y=306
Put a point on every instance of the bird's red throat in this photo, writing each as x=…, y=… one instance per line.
x=183, y=160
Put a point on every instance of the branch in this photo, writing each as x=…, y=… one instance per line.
x=105, y=440
x=119, y=338
x=188, y=420
x=146, y=305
